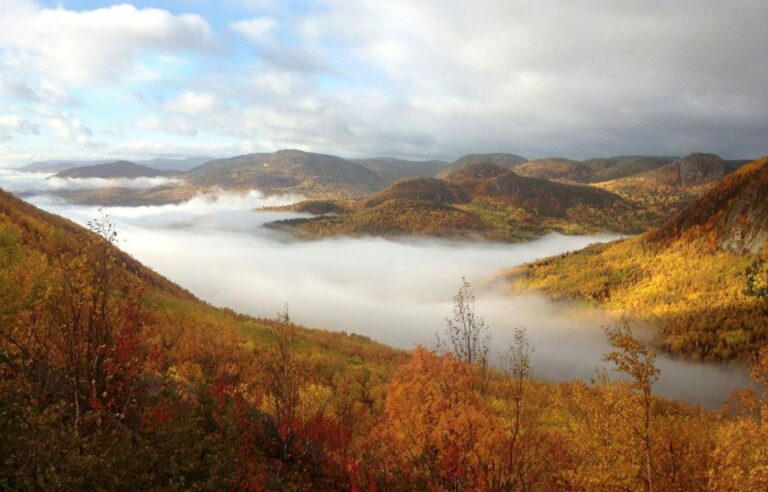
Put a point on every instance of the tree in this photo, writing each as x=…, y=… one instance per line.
x=517, y=363
x=437, y=431
x=467, y=336
x=757, y=279
x=637, y=362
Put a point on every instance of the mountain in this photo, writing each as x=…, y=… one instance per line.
x=171, y=164
x=591, y=170
x=688, y=277
x=289, y=171
x=554, y=168
x=161, y=163
x=622, y=166
x=57, y=165
x=502, y=160
x=479, y=199
x=684, y=177
x=393, y=169
x=117, y=169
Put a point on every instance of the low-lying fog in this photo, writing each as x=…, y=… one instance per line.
x=27, y=183
x=397, y=292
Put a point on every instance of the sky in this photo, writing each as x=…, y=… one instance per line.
x=417, y=79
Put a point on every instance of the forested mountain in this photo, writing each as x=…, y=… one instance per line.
x=111, y=170
x=674, y=185
x=591, y=170
x=289, y=171
x=476, y=199
x=691, y=277
x=393, y=169
x=502, y=160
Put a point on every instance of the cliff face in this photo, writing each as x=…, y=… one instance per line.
x=734, y=213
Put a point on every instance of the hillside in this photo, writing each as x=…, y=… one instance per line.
x=554, y=168
x=502, y=160
x=114, y=378
x=689, y=277
x=674, y=185
x=394, y=169
x=112, y=170
x=474, y=200
x=289, y=171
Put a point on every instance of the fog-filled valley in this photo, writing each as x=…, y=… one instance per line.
x=398, y=292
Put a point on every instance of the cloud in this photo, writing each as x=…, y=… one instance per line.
x=194, y=103
x=257, y=29
x=83, y=47
x=434, y=78
x=67, y=127
x=179, y=126
x=13, y=124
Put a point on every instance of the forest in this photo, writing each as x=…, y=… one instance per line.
x=113, y=378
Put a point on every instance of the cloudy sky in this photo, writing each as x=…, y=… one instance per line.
x=408, y=78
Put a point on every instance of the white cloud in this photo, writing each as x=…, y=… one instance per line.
x=194, y=103
x=256, y=29
x=13, y=124
x=67, y=127
x=82, y=47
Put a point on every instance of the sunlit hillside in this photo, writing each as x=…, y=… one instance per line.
x=690, y=278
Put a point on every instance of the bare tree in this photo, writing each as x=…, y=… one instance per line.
x=517, y=366
x=467, y=336
x=638, y=362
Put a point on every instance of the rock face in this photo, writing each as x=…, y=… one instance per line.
x=697, y=168
x=734, y=212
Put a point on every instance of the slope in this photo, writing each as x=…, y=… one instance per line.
x=672, y=186
x=688, y=278
x=111, y=170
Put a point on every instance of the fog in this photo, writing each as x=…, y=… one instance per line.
x=398, y=292
x=33, y=183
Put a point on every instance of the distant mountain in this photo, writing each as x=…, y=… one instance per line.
x=161, y=163
x=169, y=164
x=554, y=168
x=687, y=277
x=117, y=169
x=393, y=169
x=289, y=171
x=476, y=199
x=56, y=165
x=590, y=171
x=502, y=160
x=622, y=166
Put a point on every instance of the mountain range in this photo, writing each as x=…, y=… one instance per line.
x=480, y=199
